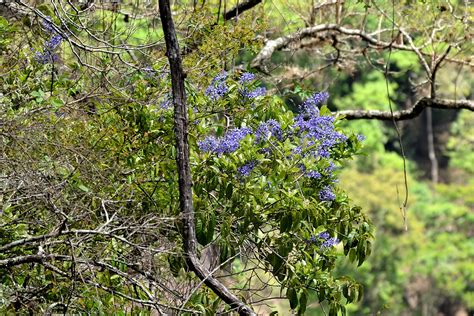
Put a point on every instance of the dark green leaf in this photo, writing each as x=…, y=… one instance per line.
x=229, y=190
x=286, y=222
x=292, y=297
x=303, y=301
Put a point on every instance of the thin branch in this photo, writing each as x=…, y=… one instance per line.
x=182, y=161
x=410, y=113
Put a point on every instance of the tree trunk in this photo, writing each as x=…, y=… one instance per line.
x=184, y=170
x=431, y=146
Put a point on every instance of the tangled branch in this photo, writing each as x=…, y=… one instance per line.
x=271, y=46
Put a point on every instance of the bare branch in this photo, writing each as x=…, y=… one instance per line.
x=240, y=8
x=410, y=113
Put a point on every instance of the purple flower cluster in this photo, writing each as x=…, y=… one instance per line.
x=326, y=194
x=268, y=129
x=257, y=92
x=316, y=134
x=313, y=174
x=53, y=42
x=246, y=169
x=328, y=241
x=310, y=105
x=48, y=25
x=324, y=239
x=218, y=87
x=317, y=131
x=150, y=73
x=226, y=144
x=48, y=55
x=246, y=77
x=331, y=167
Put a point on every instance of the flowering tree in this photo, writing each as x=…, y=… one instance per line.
x=125, y=192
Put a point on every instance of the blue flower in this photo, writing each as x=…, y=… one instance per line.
x=360, y=137
x=246, y=78
x=220, y=77
x=218, y=87
x=329, y=169
x=53, y=42
x=268, y=129
x=257, y=92
x=298, y=150
x=48, y=25
x=331, y=242
x=231, y=140
x=324, y=239
x=48, y=55
x=209, y=144
x=326, y=194
x=310, y=105
x=246, y=169
x=313, y=174
x=166, y=102
x=317, y=132
x=149, y=72
x=226, y=144
x=324, y=235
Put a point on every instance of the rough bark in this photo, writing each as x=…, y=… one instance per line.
x=184, y=170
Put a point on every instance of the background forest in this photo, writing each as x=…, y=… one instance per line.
x=380, y=221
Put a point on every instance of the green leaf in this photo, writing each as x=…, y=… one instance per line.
x=292, y=297
x=56, y=103
x=210, y=228
x=286, y=222
x=324, y=111
x=229, y=190
x=303, y=301
x=82, y=187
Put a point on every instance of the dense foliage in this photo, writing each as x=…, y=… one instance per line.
x=90, y=219
x=82, y=181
